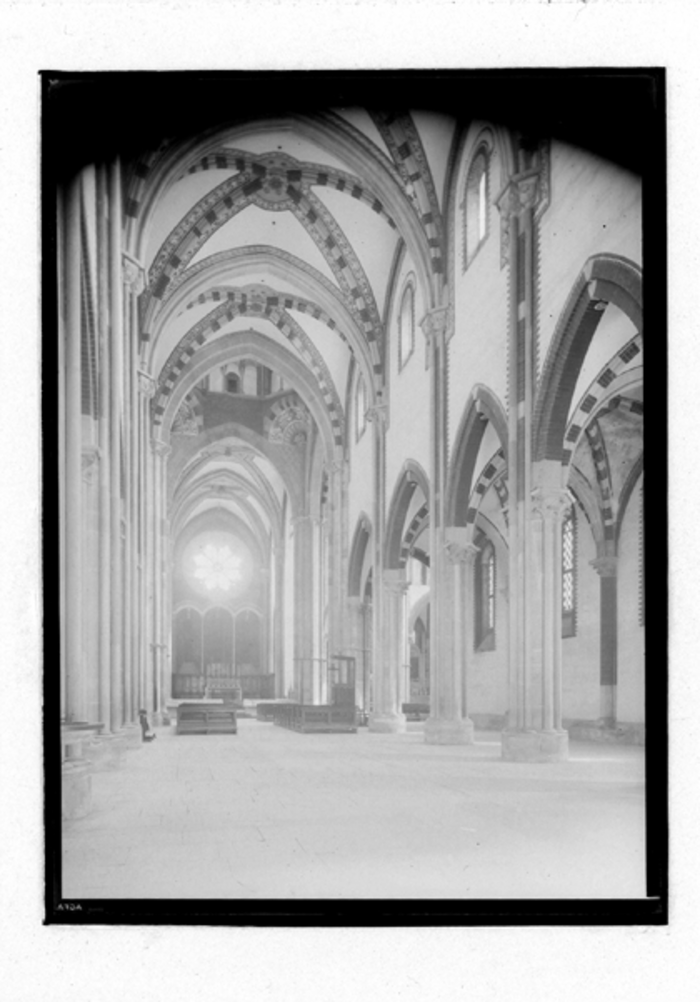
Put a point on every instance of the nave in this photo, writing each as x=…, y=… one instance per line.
x=269, y=813
x=351, y=421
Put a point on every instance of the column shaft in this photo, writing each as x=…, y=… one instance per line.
x=115, y=367
x=105, y=548
x=72, y=470
x=303, y=608
x=532, y=733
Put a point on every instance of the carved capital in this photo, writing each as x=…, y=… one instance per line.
x=606, y=566
x=461, y=553
x=395, y=582
x=434, y=323
x=550, y=503
x=296, y=520
x=378, y=414
x=160, y=449
x=90, y=462
x=147, y=384
x=133, y=274
x=527, y=190
x=337, y=466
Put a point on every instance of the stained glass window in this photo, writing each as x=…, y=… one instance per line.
x=568, y=569
x=217, y=567
x=485, y=599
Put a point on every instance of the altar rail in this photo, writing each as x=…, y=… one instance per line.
x=251, y=686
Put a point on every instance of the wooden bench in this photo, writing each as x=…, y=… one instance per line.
x=267, y=711
x=329, y=719
x=194, y=718
x=416, y=711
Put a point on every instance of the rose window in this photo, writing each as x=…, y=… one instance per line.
x=217, y=567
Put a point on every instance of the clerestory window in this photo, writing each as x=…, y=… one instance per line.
x=476, y=217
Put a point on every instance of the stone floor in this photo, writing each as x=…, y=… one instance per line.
x=270, y=813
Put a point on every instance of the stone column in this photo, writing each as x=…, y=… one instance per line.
x=303, y=607
x=533, y=733
x=442, y=726
x=382, y=718
x=391, y=691
x=354, y=634
x=72, y=459
x=266, y=645
x=105, y=486
x=338, y=540
x=161, y=452
x=116, y=334
x=542, y=738
x=151, y=682
x=91, y=464
x=449, y=723
x=279, y=558
x=606, y=566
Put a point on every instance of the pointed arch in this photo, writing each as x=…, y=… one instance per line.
x=232, y=346
x=483, y=406
x=358, y=550
x=324, y=129
x=626, y=493
x=412, y=476
x=605, y=278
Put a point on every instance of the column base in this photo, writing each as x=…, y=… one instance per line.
x=387, y=723
x=534, y=746
x=448, y=732
x=76, y=790
x=105, y=751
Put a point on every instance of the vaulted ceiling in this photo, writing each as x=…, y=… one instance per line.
x=272, y=242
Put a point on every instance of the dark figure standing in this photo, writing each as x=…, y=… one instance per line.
x=143, y=720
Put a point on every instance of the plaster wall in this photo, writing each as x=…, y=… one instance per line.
x=595, y=208
x=408, y=435
x=360, y=495
x=631, y=646
x=477, y=351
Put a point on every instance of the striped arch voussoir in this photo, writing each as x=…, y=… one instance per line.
x=240, y=304
x=415, y=528
x=628, y=355
x=493, y=474
x=603, y=478
x=403, y=142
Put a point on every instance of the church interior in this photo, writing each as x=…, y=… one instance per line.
x=349, y=419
